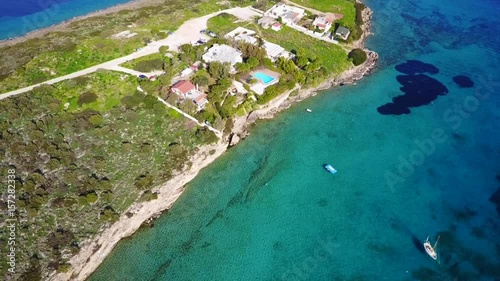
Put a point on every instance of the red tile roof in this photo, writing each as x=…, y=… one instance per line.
x=183, y=86
x=200, y=98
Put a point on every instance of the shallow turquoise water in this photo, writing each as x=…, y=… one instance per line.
x=267, y=210
x=20, y=17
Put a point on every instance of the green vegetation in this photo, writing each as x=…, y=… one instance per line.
x=344, y=7
x=358, y=56
x=156, y=61
x=90, y=41
x=222, y=24
x=84, y=150
x=333, y=58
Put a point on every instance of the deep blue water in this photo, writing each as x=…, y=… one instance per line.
x=18, y=17
x=416, y=145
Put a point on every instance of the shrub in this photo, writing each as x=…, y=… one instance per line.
x=358, y=56
x=86, y=97
x=149, y=65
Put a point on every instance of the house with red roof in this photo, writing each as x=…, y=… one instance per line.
x=276, y=26
x=186, y=90
x=323, y=23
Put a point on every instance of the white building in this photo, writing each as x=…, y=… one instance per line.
x=275, y=51
x=276, y=26
x=288, y=14
x=242, y=34
x=323, y=23
x=186, y=90
x=222, y=53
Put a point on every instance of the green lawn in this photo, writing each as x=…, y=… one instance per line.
x=88, y=42
x=222, y=24
x=345, y=7
x=333, y=57
x=109, y=86
x=80, y=166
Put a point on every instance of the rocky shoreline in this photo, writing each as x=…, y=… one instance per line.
x=93, y=252
x=285, y=101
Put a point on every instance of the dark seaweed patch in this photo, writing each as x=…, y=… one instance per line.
x=419, y=90
x=463, y=81
x=495, y=199
x=412, y=67
x=323, y=202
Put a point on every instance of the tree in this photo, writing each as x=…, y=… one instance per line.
x=302, y=61
x=143, y=181
x=252, y=62
x=87, y=97
x=96, y=120
x=358, y=56
x=286, y=65
x=252, y=51
x=242, y=67
x=163, y=49
x=187, y=54
x=201, y=80
x=188, y=106
x=218, y=70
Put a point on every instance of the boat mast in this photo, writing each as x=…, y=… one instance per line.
x=436, y=242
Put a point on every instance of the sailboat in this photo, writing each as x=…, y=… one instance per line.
x=431, y=250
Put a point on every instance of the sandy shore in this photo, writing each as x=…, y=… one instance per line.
x=93, y=253
x=64, y=26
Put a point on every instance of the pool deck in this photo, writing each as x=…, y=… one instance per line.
x=267, y=72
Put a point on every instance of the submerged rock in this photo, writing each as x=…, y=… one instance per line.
x=495, y=199
x=463, y=81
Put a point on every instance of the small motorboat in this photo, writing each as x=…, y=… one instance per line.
x=330, y=168
x=431, y=250
x=308, y=110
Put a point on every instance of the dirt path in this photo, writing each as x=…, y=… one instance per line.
x=187, y=32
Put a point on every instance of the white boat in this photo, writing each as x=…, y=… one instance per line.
x=431, y=250
x=330, y=168
x=308, y=110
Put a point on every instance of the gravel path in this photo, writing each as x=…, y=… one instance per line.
x=187, y=32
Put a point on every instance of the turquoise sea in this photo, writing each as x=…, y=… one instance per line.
x=423, y=164
x=18, y=17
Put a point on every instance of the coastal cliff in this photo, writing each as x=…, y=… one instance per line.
x=93, y=252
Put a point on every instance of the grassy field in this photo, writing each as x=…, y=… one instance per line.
x=89, y=42
x=333, y=57
x=83, y=151
x=345, y=7
x=222, y=24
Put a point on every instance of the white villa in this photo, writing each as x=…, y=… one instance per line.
x=222, y=53
x=323, y=23
x=264, y=78
x=242, y=34
x=275, y=51
x=288, y=14
x=266, y=21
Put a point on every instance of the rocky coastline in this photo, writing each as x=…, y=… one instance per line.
x=93, y=252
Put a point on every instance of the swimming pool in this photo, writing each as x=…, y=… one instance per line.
x=266, y=79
